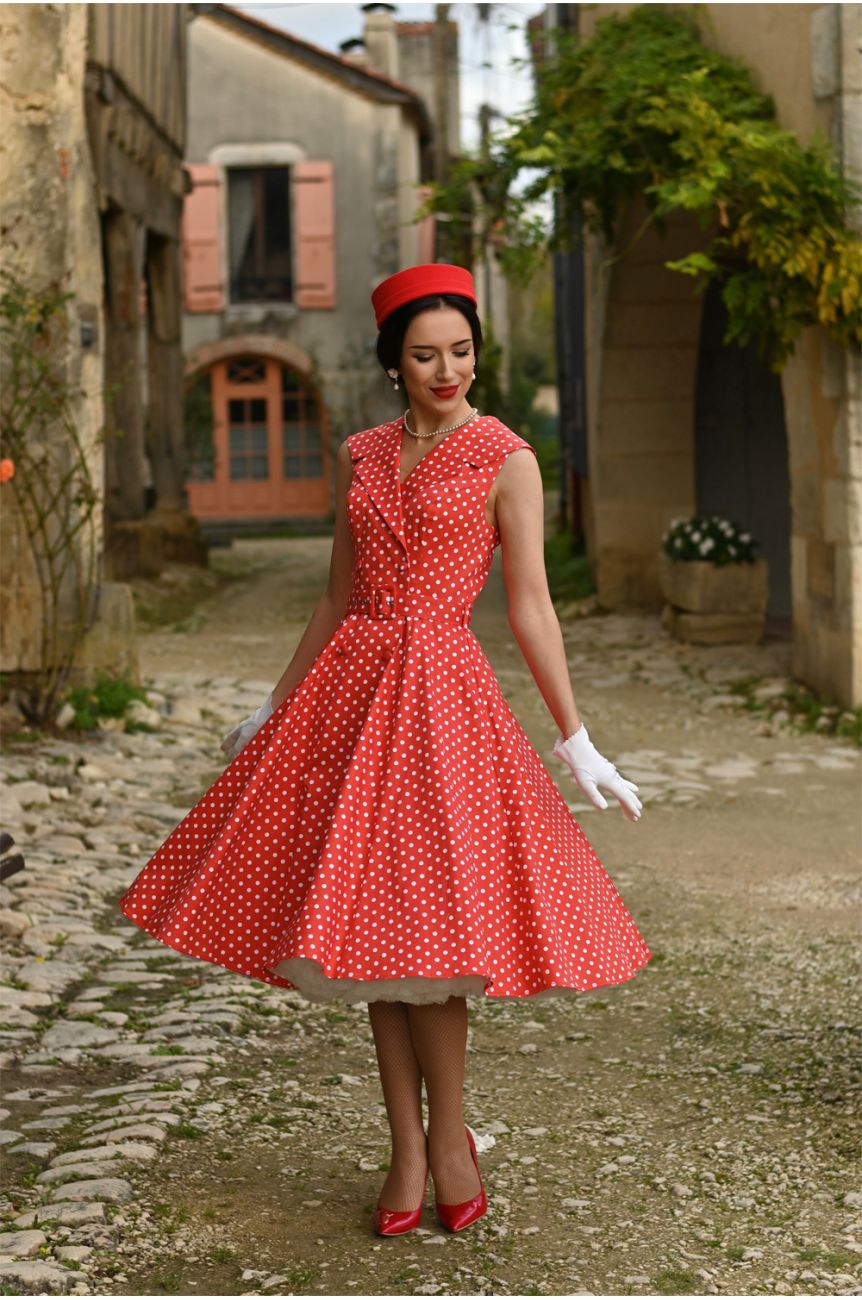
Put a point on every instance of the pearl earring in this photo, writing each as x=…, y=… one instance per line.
x=393, y=375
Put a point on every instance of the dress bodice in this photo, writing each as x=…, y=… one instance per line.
x=425, y=542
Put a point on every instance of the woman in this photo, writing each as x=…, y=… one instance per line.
x=385, y=831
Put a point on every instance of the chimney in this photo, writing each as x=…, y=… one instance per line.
x=381, y=39
x=354, y=51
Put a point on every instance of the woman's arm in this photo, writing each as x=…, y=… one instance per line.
x=331, y=608
x=520, y=512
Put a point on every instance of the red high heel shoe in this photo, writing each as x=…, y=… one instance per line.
x=390, y=1223
x=455, y=1217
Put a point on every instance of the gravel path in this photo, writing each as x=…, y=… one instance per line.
x=170, y=1128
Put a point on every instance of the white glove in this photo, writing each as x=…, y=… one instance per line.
x=591, y=770
x=237, y=739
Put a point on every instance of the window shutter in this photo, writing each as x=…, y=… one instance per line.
x=314, y=211
x=425, y=229
x=203, y=289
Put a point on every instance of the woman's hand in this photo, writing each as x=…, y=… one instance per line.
x=237, y=739
x=591, y=770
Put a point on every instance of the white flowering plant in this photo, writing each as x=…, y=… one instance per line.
x=708, y=537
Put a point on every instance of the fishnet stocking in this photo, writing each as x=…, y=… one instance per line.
x=402, y=1095
x=439, y=1035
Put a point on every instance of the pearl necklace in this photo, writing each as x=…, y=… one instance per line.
x=433, y=434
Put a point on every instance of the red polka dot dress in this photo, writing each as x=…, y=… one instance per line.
x=390, y=832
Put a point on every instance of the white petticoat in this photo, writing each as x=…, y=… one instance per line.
x=309, y=978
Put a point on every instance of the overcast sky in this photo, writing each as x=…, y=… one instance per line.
x=487, y=49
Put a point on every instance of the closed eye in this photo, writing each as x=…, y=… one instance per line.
x=457, y=354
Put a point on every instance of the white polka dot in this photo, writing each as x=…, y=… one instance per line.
x=390, y=832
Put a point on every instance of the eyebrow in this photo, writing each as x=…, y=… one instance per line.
x=429, y=347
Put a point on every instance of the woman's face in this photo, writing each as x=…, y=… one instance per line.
x=437, y=353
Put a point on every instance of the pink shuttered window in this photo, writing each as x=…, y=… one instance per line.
x=314, y=210
x=425, y=229
x=203, y=289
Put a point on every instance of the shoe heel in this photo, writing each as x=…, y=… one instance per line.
x=391, y=1223
x=455, y=1217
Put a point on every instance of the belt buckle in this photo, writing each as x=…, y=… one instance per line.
x=383, y=602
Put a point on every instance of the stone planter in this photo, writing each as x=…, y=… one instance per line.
x=713, y=604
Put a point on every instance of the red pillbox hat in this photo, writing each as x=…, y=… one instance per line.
x=416, y=282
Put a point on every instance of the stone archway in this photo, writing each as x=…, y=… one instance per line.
x=740, y=440
x=643, y=324
x=261, y=345
x=643, y=330
x=660, y=378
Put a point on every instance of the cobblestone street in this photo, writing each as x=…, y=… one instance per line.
x=171, y=1128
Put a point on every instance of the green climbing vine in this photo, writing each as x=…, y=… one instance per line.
x=644, y=107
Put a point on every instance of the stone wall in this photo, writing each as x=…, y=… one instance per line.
x=46, y=170
x=643, y=325
x=51, y=234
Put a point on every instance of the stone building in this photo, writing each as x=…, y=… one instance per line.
x=308, y=168
x=92, y=196
x=135, y=102
x=678, y=423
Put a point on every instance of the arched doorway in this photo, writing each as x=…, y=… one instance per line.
x=258, y=444
x=741, y=457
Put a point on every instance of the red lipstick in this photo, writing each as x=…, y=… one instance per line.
x=445, y=392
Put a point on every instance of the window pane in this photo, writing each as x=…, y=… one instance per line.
x=259, y=234
x=248, y=432
x=242, y=203
x=301, y=433
x=246, y=370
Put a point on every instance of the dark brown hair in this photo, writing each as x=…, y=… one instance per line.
x=390, y=339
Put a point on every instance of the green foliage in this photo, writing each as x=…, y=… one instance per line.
x=807, y=711
x=198, y=424
x=486, y=391
x=644, y=108
x=675, y=1281
x=183, y=1130
x=568, y=568
x=709, y=537
x=532, y=357
x=108, y=697
x=513, y=408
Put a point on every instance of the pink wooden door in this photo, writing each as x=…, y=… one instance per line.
x=270, y=440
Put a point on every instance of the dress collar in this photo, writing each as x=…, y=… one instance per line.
x=376, y=455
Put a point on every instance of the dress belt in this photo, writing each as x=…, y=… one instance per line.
x=382, y=603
